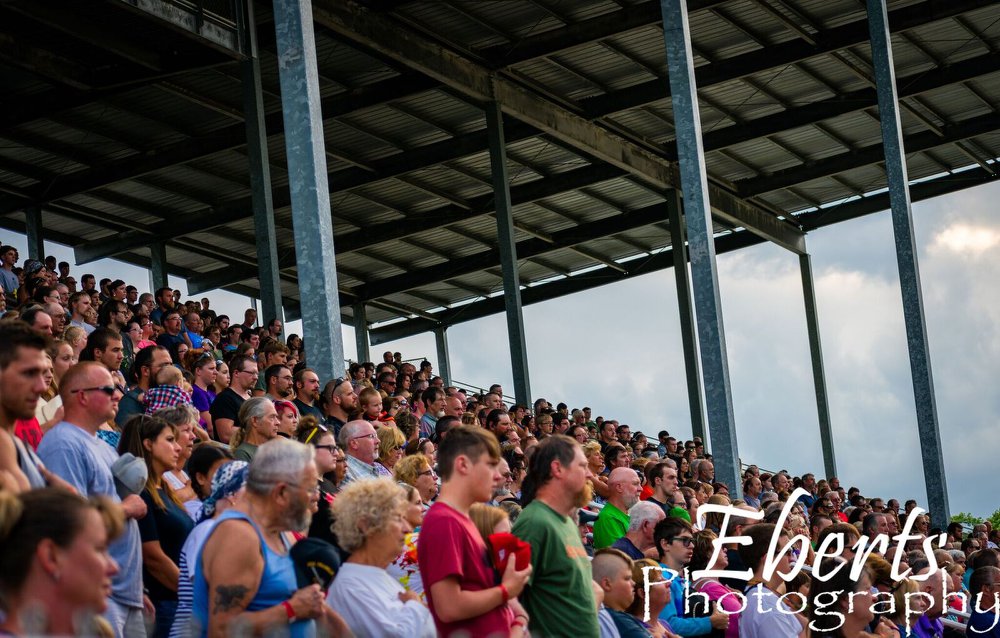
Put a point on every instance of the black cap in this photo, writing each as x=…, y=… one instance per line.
x=316, y=562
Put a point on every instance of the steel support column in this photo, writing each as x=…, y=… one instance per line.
x=33, y=226
x=692, y=371
x=158, y=265
x=310, y=194
x=260, y=176
x=909, y=271
x=443, y=358
x=701, y=245
x=508, y=254
x=361, y=332
x=819, y=374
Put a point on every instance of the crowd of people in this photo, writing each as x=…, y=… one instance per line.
x=167, y=472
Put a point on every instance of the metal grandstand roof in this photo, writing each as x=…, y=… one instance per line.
x=123, y=121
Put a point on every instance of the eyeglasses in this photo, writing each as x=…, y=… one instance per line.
x=426, y=473
x=253, y=372
x=372, y=436
x=686, y=541
x=328, y=448
x=106, y=389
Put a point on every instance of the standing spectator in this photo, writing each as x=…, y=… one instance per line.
x=623, y=492
x=245, y=576
x=762, y=618
x=147, y=365
x=662, y=478
x=638, y=540
x=416, y=470
x=359, y=442
x=338, y=402
x=166, y=525
x=674, y=539
x=23, y=366
x=72, y=450
x=701, y=559
x=327, y=459
x=172, y=334
x=370, y=523
x=390, y=449
x=205, y=370
x=8, y=280
x=54, y=565
x=559, y=597
x=612, y=572
x=164, y=299
x=307, y=393
x=79, y=306
x=463, y=594
x=258, y=424
x=225, y=410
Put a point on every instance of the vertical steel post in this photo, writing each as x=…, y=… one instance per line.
x=692, y=371
x=35, y=233
x=508, y=254
x=260, y=176
x=819, y=374
x=361, y=332
x=701, y=245
x=158, y=265
x=310, y=193
x=909, y=271
x=443, y=358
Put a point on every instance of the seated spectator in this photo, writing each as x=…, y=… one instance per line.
x=288, y=418
x=205, y=370
x=370, y=523
x=226, y=407
x=846, y=603
x=595, y=464
x=623, y=492
x=762, y=618
x=984, y=589
x=55, y=572
x=701, y=559
x=360, y=443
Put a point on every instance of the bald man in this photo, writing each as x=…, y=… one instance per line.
x=612, y=523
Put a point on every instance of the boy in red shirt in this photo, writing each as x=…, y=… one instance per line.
x=462, y=589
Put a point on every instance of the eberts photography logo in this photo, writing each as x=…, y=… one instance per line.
x=829, y=603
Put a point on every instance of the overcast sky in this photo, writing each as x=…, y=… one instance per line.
x=617, y=349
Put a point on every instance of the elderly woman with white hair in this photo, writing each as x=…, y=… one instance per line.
x=370, y=523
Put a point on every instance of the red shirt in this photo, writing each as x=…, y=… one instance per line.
x=449, y=545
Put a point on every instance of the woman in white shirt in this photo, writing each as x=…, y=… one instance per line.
x=370, y=523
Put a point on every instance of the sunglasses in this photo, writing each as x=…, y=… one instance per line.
x=686, y=541
x=106, y=389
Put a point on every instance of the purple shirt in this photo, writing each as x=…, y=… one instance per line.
x=202, y=400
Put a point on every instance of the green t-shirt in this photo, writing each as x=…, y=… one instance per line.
x=558, y=597
x=245, y=452
x=611, y=524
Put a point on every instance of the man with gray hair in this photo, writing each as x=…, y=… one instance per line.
x=245, y=577
x=638, y=540
x=360, y=444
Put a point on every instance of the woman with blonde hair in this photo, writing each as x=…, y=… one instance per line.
x=370, y=523
x=76, y=337
x=416, y=470
x=390, y=449
x=659, y=597
x=405, y=567
x=595, y=463
x=55, y=570
x=489, y=520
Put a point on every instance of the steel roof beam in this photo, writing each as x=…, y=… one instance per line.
x=861, y=99
x=779, y=55
x=664, y=260
x=387, y=38
x=873, y=154
x=550, y=42
x=417, y=223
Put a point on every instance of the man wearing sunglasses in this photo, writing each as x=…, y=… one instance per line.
x=338, y=401
x=73, y=451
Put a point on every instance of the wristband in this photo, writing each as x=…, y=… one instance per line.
x=288, y=611
x=503, y=590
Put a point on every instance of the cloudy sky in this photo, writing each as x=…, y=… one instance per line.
x=633, y=370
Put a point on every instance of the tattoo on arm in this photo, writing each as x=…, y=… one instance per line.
x=229, y=597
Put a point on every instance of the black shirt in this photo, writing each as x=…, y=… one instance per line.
x=305, y=409
x=170, y=526
x=227, y=406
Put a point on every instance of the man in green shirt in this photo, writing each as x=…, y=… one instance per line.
x=559, y=597
x=624, y=488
